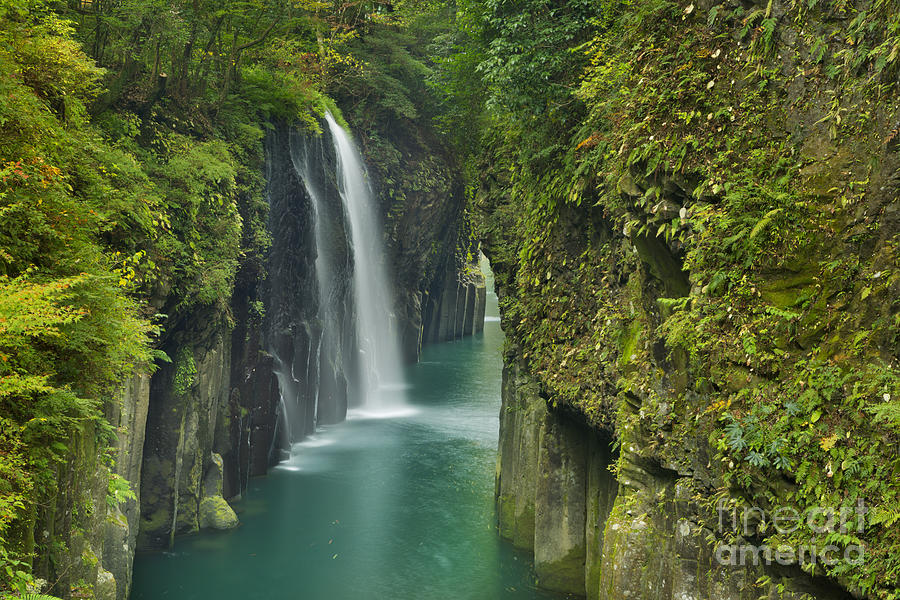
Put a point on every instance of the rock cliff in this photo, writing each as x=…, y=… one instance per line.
x=710, y=299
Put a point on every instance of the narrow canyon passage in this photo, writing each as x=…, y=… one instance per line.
x=396, y=507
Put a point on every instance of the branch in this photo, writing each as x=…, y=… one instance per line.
x=258, y=40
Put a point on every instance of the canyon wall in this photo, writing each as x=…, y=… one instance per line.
x=643, y=532
x=704, y=280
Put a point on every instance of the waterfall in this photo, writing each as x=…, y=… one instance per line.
x=328, y=227
x=329, y=298
x=381, y=366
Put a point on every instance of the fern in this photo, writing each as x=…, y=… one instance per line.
x=884, y=515
x=764, y=222
x=788, y=315
x=888, y=412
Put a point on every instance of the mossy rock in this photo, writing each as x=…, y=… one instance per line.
x=105, y=588
x=565, y=574
x=506, y=511
x=788, y=291
x=215, y=513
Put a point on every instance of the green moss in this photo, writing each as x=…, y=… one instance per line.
x=215, y=513
x=628, y=343
x=185, y=372
x=565, y=574
x=788, y=291
x=506, y=515
x=523, y=536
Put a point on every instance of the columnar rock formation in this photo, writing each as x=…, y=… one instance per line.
x=455, y=309
x=643, y=533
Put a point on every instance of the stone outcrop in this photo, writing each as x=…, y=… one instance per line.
x=554, y=487
x=96, y=545
x=642, y=535
x=215, y=512
x=129, y=417
x=84, y=482
x=189, y=400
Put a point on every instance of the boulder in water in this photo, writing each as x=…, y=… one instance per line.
x=215, y=513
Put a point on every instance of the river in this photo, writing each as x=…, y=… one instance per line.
x=398, y=507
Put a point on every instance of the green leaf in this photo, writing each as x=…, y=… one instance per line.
x=764, y=222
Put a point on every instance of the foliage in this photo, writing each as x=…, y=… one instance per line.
x=118, y=491
x=526, y=65
x=185, y=370
x=69, y=332
x=93, y=213
x=673, y=262
x=131, y=173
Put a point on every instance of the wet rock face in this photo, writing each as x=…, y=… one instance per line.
x=521, y=415
x=554, y=488
x=308, y=293
x=560, y=505
x=293, y=334
x=251, y=416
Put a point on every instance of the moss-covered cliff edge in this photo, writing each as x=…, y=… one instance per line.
x=697, y=260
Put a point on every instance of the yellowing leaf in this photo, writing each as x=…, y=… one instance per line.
x=827, y=443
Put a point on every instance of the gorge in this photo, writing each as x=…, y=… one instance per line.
x=372, y=507
x=475, y=299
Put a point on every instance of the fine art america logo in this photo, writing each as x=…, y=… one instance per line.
x=820, y=522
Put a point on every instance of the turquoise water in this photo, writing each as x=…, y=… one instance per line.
x=397, y=508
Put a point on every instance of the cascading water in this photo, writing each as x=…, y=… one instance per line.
x=381, y=367
x=332, y=268
x=329, y=297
